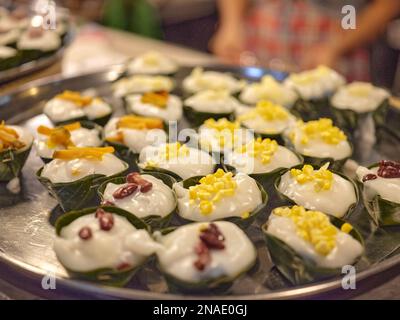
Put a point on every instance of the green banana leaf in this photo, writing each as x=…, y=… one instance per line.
x=297, y=269
x=76, y=194
x=150, y=170
x=217, y=285
x=126, y=154
x=243, y=223
x=312, y=109
x=196, y=118
x=10, y=62
x=12, y=162
x=287, y=201
x=349, y=120
x=154, y=221
x=106, y=276
x=34, y=54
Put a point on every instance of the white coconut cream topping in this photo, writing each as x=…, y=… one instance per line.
x=268, y=89
x=360, y=97
x=135, y=139
x=386, y=188
x=333, y=198
x=346, y=249
x=152, y=62
x=213, y=101
x=7, y=52
x=63, y=171
x=159, y=201
x=248, y=162
x=81, y=137
x=59, y=109
x=121, y=246
x=320, y=139
x=142, y=84
x=200, y=80
x=9, y=37
x=244, y=197
x=178, y=257
x=317, y=83
x=171, y=111
x=48, y=41
x=265, y=118
x=184, y=161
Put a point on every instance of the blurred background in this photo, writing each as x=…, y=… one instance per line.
x=280, y=34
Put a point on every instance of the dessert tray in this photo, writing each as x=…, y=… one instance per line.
x=27, y=219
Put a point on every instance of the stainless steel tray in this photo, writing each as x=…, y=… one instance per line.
x=26, y=220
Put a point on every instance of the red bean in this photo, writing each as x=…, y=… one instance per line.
x=123, y=266
x=203, y=256
x=131, y=178
x=99, y=212
x=85, y=233
x=369, y=176
x=125, y=191
x=134, y=177
x=389, y=169
x=106, y=222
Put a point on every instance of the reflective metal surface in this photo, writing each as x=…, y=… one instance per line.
x=26, y=220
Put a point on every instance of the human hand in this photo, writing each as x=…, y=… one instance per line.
x=320, y=54
x=228, y=43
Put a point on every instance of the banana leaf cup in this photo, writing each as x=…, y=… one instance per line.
x=383, y=212
x=150, y=169
x=352, y=121
x=105, y=276
x=154, y=221
x=266, y=179
x=84, y=124
x=197, y=118
x=297, y=269
x=125, y=153
x=217, y=285
x=311, y=109
x=286, y=201
x=242, y=222
x=335, y=165
x=101, y=121
x=12, y=162
x=76, y=194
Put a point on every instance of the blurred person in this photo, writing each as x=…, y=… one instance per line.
x=301, y=33
x=186, y=22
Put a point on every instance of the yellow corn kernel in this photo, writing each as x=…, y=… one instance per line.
x=322, y=129
x=245, y=215
x=211, y=189
x=312, y=226
x=205, y=207
x=346, y=227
